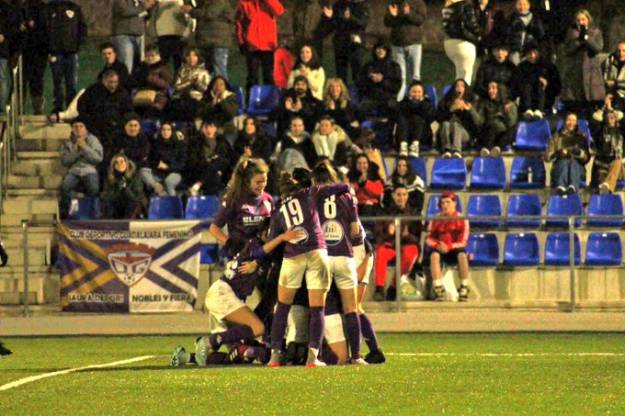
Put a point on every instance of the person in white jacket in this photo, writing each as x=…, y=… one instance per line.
x=308, y=65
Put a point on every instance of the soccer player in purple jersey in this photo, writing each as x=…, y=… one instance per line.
x=233, y=321
x=246, y=207
x=339, y=221
x=305, y=257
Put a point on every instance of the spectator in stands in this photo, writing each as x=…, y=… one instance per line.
x=298, y=101
x=614, y=71
x=133, y=143
x=35, y=53
x=487, y=21
x=170, y=23
x=66, y=32
x=283, y=62
x=295, y=149
x=123, y=196
x=213, y=34
x=331, y=142
x=167, y=159
x=406, y=18
x=582, y=80
x=220, y=104
x=447, y=240
x=379, y=83
x=385, y=249
x=416, y=114
x=524, y=27
x=128, y=20
x=81, y=154
x=537, y=83
x=308, y=65
x=190, y=86
x=497, y=68
x=497, y=118
x=257, y=35
x=252, y=141
x=568, y=150
x=109, y=56
x=404, y=176
x=152, y=78
x=607, y=167
x=348, y=20
x=210, y=160
x=366, y=141
x=461, y=36
x=611, y=103
x=457, y=118
x=338, y=104
x=367, y=184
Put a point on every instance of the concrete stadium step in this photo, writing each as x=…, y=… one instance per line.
x=15, y=220
x=48, y=154
x=38, y=131
x=30, y=206
x=37, y=256
x=37, y=168
x=34, y=145
x=34, y=182
x=12, y=288
x=32, y=193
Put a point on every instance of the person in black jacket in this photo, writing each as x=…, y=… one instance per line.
x=10, y=20
x=416, y=114
x=167, y=159
x=109, y=57
x=220, y=104
x=35, y=52
x=298, y=101
x=524, y=27
x=66, y=31
x=461, y=36
x=252, y=141
x=133, y=143
x=498, y=69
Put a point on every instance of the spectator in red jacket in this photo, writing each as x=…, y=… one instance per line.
x=257, y=34
x=283, y=61
x=367, y=184
x=447, y=240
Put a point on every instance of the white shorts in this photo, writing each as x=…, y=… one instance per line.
x=343, y=271
x=360, y=254
x=297, y=329
x=313, y=264
x=221, y=300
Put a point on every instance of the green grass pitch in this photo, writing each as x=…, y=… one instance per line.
x=469, y=374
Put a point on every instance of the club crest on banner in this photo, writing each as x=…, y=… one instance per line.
x=130, y=262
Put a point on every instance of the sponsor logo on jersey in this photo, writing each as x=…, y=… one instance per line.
x=303, y=239
x=130, y=262
x=333, y=232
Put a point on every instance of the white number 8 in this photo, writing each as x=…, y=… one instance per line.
x=329, y=207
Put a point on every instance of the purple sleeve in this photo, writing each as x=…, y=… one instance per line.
x=223, y=216
x=323, y=192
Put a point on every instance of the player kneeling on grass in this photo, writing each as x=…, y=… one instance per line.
x=448, y=239
x=305, y=257
x=225, y=301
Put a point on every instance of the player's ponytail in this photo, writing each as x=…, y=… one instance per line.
x=288, y=185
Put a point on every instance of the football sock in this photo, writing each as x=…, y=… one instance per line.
x=353, y=333
x=368, y=333
x=315, y=327
x=278, y=326
x=239, y=333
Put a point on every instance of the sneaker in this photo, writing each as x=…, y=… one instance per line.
x=538, y=115
x=358, y=361
x=484, y=152
x=457, y=155
x=413, y=151
x=180, y=357
x=496, y=151
x=447, y=155
x=276, y=359
x=403, y=149
x=313, y=361
x=463, y=293
x=378, y=296
x=4, y=350
x=391, y=294
x=375, y=357
x=159, y=189
x=439, y=293
x=528, y=114
x=571, y=189
x=561, y=190
x=202, y=349
x=604, y=188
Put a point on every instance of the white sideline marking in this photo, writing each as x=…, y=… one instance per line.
x=507, y=354
x=30, y=379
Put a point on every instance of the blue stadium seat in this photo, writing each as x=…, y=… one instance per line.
x=563, y=205
x=523, y=205
x=86, y=208
x=488, y=173
x=483, y=250
x=449, y=174
x=433, y=208
x=484, y=205
x=609, y=204
x=165, y=208
x=582, y=125
x=519, y=173
x=604, y=249
x=240, y=98
x=521, y=250
x=201, y=207
x=430, y=91
x=557, y=249
x=418, y=167
x=532, y=135
x=209, y=253
x=150, y=127
x=264, y=99
x=446, y=89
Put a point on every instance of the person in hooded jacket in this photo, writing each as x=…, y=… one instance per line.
x=416, y=114
x=167, y=159
x=123, y=197
x=497, y=117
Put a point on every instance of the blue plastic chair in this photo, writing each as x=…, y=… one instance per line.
x=201, y=207
x=609, y=204
x=433, y=208
x=532, y=135
x=240, y=98
x=557, y=249
x=521, y=249
x=604, y=249
x=484, y=205
x=165, y=208
x=488, y=173
x=446, y=89
x=483, y=250
x=449, y=174
x=430, y=91
x=563, y=205
x=264, y=99
x=519, y=173
x=582, y=125
x=87, y=208
x=418, y=167
x=523, y=205
x=209, y=253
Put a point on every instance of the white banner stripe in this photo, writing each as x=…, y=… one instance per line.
x=30, y=379
x=507, y=354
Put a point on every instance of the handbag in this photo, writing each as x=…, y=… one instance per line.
x=144, y=98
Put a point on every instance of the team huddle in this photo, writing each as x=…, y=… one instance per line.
x=307, y=257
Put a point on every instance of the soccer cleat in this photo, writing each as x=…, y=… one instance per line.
x=358, y=361
x=403, y=149
x=313, y=361
x=202, y=349
x=375, y=357
x=180, y=357
x=463, y=293
x=276, y=359
x=439, y=293
x=413, y=150
x=4, y=350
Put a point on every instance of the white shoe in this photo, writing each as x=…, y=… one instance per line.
x=484, y=152
x=561, y=190
x=447, y=155
x=496, y=152
x=403, y=149
x=202, y=348
x=358, y=361
x=528, y=114
x=414, y=149
x=180, y=357
x=604, y=189
x=313, y=361
x=538, y=115
x=457, y=155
